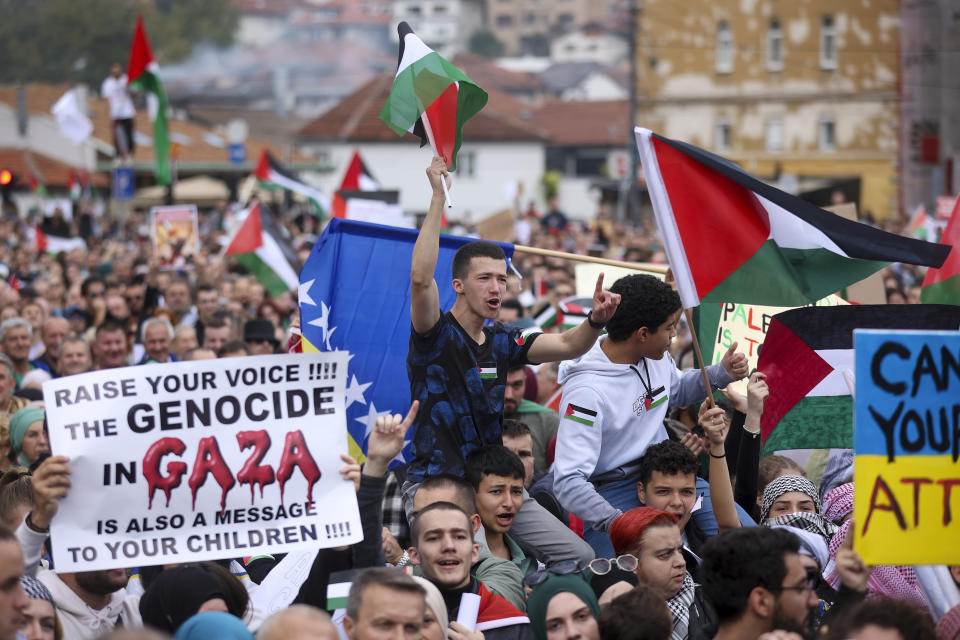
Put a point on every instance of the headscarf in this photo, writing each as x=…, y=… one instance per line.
x=541, y=596
x=19, y=424
x=175, y=595
x=213, y=625
x=811, y=544
x=895, y=581
x=838, y=503
x=435, y=602
x=949, y=625
x=36, y=590
x=839, y=469
x=786, y=484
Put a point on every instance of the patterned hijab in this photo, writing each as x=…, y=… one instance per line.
x=788, y=484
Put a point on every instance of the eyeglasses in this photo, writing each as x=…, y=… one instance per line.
x=810, y=583
x=603, y=566
x=564, y=568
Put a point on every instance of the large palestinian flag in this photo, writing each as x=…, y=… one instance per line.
x=430, y=98
x=272, y=175
x=143, y=75
x=260, y=247
x=808, y=359
x=942, y=286
x=731, y=238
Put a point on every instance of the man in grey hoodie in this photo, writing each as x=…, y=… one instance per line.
x=615, y=398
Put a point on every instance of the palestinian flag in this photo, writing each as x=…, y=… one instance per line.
x=271, y=175
x=337, y=595
x=357, y=178
x=430, y=98
x=554, y=401
x=487, y=373
x=46, y=243
x=548, y=317
x=920, y=225
x=942, y=286
x=259, y=246
x=580, y=414
x=808, y=358
x=143, y=75
x=37, y=188
x=74, y=186
x=731, y=238
x=572, y=315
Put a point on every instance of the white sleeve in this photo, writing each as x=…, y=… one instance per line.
x=32, y=544
x=578, y=449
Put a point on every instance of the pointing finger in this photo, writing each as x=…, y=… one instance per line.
x=599, y=289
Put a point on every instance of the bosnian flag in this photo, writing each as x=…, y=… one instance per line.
x=46, y=243
x=942, y=285
x=430, y=98
x=808, y=359
x=143, y=75
x=357, y=178
x=259, y=246
x=731, y=238
x=580, y=414
x=272, y=175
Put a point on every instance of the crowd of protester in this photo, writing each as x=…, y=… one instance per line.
x=663, y=542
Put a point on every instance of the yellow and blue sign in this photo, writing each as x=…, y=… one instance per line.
x=907, y=444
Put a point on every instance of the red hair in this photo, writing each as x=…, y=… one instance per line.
x=626, y=531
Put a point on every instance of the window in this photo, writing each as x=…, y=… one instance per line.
x=773, y=134
x=828, y=44
x=565, y=20
x=722, y=135
x=724, y=48
x=504, y=20
x=774, y=46
x=530, y=18
x=827, y=134
x=414, y=10
x=467, y=162
x=439, y=9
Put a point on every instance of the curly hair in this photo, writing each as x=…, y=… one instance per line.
x=667, y=457
x=645, y=301
x=638, y=614
x=886, y=613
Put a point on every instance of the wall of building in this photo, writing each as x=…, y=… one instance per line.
x=578, y=46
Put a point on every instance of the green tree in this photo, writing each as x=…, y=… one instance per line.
x=485, y=43
x=78, y=40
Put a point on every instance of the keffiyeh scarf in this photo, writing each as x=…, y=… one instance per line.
x=812, y=522
x=679, y=606
x=788, y=484
x=838, y=503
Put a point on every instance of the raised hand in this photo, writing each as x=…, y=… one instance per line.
x=51, y=483
x=386, y=440
x=853, y=573
x=735, y=363
x=693, y=442
x=757, y=393
x=436, y=172
x=714, y=423
x=604, y=303
x=350, y=471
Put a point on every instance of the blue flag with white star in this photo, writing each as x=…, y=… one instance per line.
x=355, y=296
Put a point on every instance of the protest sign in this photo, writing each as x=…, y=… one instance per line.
x=175, y=234
x=586, y=274
x=907, y=442
x=200, y=460
x=746, y=324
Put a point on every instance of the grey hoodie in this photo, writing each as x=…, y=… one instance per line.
x=607, y=424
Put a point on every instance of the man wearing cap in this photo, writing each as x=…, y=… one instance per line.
x=260, y=336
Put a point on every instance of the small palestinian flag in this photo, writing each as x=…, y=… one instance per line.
x=579, y=414
x=524, y=336
x=272, y=175
x=572, y=315
x=430, y=98
x=487, y=372
x=758, y=245
x=920, y=225
x=942, y=286
x=74, y=186
x=143, y=74
x=259, y=246
x=46, y=243
x=808, y=359
x=357, y=178
x=337, y=595
x=37, y=188
x=548, y=317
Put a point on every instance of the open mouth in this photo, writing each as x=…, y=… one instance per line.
x=504, y=519
x=493, y=304
x=448, y=563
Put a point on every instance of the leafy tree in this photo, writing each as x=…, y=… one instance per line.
x=485, y=43
x=78, y=40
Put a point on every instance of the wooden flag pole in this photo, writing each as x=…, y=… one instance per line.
x=641, y=266
x=696, y=350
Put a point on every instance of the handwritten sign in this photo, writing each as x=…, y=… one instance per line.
x=907, y=444
x=201, y=460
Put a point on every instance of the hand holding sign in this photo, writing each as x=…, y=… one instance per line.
x=735, y=363
x=850, y=567
x=604, y=303
x=51, y=482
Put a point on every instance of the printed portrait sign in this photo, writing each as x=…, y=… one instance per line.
x=175, y=234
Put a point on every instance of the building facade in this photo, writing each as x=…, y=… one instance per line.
x=527, y=26
x=802, y=94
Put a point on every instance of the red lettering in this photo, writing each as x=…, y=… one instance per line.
x=916, y=482
x=892, y=505
x=296, y=454
x=252, y=471
x=209, y=460
x=752, y=342
x=750, y=320
x=948, y=485
x=151, y=468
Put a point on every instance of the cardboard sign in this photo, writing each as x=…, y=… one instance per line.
x=201, y=460
x=907, y=442
x=175, y=234
x=586, y=274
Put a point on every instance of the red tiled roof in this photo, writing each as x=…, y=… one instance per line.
x=584, y=123
x=357, y=118
x=490, y=75
x=46, y=170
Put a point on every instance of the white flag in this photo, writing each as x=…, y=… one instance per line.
x=73, y=123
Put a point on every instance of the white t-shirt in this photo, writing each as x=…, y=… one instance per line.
x=115, y=91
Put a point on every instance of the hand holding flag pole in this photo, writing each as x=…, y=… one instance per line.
x=433, y=145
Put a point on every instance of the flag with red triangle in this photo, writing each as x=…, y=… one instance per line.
x=260, y=246
x=942, y=286
x=273, y=175
x=430, y=98
x=356, y=178
x=143, y=74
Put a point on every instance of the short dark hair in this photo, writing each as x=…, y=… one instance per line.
x=471, y=250
x=220, y=319
x=887, y=613
x=737, y=561
x=16, y=490
x=85, y=285
x=109, y=325
x=230, y=346
x=384, y=577
x=638, y=614
x=645, y=301
x=514, y=304
x=492, y=460
x=667, y=457
x=465, y=498
x=436, y=506
x=206, y=286
x=515, y=428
